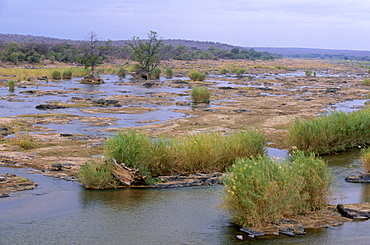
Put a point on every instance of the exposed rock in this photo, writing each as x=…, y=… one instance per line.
x=104, y=102
x=352, y=213
x=127, y=176
x=359, y=178
x=191, y=180
x=11, y=183
x=91, y=80
x=49, y=107
x=252, y=233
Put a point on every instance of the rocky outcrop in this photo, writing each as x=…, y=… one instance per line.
x=11, y=183
x=91, y=80
x=191, y=180
x=49, y=107
x=358, y=178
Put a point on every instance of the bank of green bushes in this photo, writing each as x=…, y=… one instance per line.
x=331, y=133
x=259, y=191
x=183, y=154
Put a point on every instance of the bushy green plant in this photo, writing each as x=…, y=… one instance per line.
x=196, y=75
x=366, y=82
x=67, y=75
x=365, y=158
x=56, y=75
x=308, y=73
x=11, y=85
x=121, y=72
x=240, y=72
x=155, y=73
x=259, y=191
x=223, y=71
x=200, y=94
x=331, y=133
x=233, y=69
x=97, y=175
x=169, y=72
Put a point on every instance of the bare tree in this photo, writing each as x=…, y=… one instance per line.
x=95, y=52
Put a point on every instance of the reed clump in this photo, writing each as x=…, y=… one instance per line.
x=365, y=159
x=67, y=74
x=97, y=175
x=331, y=133
x=183, y=154
x=200, y=94
x=11, y=85
x=259, y=191
x=169, y=73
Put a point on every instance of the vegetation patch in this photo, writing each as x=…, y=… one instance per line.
x=183, y=154
x=331, y=133
x=200, y=94
x=259, y=191
x=97, y=175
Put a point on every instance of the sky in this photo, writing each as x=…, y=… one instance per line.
x=328, y=24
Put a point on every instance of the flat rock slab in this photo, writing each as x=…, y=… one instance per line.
x=359, y=178
x=12, y=183
x=191, y=180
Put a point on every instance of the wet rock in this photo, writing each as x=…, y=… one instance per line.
x=28, y=92
x=191, y=180
x=56, y=167
x=290, y=227
x=91, y=80
x=252, y=233
x=352, y=213
x=331, y=90
x=180, y=82
x=104, y=102
x=49, y=107
x=226, y=88
x=241, y=110
x=66, y=135
x=148, y=84
x=360, y=178
x=11, y=183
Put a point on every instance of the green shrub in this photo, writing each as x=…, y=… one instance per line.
x=331, y=133
x=223, y=71
x=196, y=75
x=56, y=75
x=155, y=73
x=121, y=72
x=366, y=82
x=67, y=75
x=259, y=191
x=233, y=69
x=240, y=72
x=365, y=159
x=200, y=95
x=11, y=85
x=182, y=154
x=308, y=73
x=97, y=175
x=169, y=72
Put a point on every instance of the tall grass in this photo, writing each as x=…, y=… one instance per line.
x=259, y=191
x=56, y=75
x=331, y=133
x=366, y=82
x=67, y=74
x=183, y=154
x=97, y=175
x=365, y=157
x=121, y=72
x=200, y=95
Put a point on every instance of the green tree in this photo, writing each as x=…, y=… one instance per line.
x=95, y=52
x=148, y=53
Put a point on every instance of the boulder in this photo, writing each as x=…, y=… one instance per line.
x=358, y=178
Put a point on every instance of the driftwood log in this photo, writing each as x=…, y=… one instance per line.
x=127, y=176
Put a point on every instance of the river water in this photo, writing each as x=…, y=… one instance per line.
x=62, y=212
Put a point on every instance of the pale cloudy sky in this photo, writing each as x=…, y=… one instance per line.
x=332, y=24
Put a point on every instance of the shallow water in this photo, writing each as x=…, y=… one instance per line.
x=61, y=212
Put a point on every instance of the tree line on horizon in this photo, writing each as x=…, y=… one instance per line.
x=37, y=52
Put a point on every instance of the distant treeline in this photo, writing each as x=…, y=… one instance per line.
x=316, y=56
x=73, y=53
